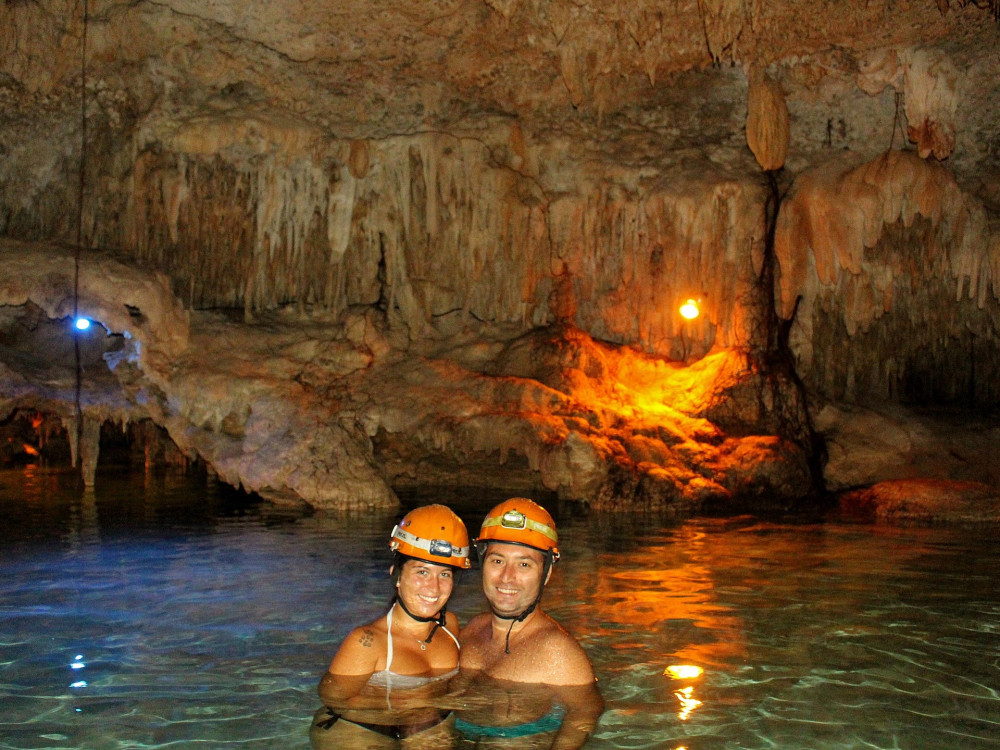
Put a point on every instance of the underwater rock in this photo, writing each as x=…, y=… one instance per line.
x=923, y=501
x=867, y=445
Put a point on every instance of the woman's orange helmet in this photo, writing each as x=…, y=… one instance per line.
x=521, y=521
x=432, y=533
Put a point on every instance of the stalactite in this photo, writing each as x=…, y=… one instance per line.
x=838, y=215
x=725, y=22
x=894, y=264
x=767, y=125
x=89, y=448
x=454, y=231
x=929, y=82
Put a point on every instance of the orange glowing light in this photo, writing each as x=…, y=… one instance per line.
x=689, y=310
x=683, y=671
x=688, y=702
x=30, y=450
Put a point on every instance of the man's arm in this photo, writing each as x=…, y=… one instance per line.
x=584, y=706
x=575, y=686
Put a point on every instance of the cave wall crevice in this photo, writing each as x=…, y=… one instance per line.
x=896, y=270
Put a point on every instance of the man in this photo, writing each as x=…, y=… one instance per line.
x=516, y=647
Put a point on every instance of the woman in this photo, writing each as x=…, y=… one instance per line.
x=379, y=686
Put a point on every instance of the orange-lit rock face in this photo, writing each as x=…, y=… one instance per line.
x=287, y=407
x=620, y=423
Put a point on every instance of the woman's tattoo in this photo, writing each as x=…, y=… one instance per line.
x=366, y=638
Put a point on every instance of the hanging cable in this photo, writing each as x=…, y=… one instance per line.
x=79, y=225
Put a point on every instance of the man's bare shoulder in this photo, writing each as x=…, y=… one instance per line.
x=559, y=657
x=555, y=635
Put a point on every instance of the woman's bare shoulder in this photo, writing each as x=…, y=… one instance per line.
x=360, y=651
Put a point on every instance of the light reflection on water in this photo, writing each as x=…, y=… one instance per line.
x=186, y=615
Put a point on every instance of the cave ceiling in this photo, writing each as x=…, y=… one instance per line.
x=462, y=154
x=608, y=74
x=407, y=172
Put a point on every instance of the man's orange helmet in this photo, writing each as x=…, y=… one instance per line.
x=432, y=533
x=521, y=521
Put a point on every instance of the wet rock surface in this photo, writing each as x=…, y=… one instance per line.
x=923, y=501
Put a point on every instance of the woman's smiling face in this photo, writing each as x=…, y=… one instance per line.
x=425, y=587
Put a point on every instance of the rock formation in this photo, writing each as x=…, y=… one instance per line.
x=338, y=249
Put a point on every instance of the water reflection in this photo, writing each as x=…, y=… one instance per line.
x=683, y=671
x=688, y=702
x=379, y=717
x=808, y=634
x=685, y=695
x=469, y=711
x=204, y=621
x=83, y=527
x=654, y=600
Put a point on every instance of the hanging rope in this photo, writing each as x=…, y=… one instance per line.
x=79, y=225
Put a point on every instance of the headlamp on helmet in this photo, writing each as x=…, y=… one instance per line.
x=520, y=521
x=513, y=519
x=432, y=533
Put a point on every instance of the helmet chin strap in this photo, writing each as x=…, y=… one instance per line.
x=514, y=619
x=437, y=619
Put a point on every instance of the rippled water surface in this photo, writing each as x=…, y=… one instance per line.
x=158, y=612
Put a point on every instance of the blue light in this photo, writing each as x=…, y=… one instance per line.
x=77, y=665
x=82, y=324
x=80, y=684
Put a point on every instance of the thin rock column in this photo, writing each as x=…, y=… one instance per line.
x=89, y=449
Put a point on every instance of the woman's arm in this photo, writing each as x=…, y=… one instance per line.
x=360, y=652
x=337, y=691
x=356, y=660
